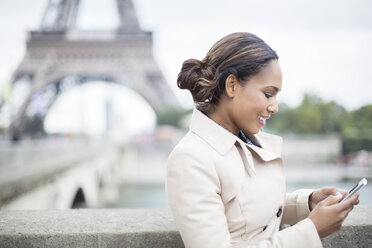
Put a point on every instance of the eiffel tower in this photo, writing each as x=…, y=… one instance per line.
x=59, y=56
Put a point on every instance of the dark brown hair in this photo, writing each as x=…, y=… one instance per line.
x=240, y=54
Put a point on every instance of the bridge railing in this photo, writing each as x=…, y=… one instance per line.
x=134, y=228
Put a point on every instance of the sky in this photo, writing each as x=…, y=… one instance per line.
x=324, y=46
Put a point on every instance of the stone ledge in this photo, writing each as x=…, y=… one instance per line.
x=133, y=228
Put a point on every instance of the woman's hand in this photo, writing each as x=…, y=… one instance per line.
x=321, y=194
x=329, y=214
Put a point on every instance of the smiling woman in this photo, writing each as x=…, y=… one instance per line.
x=100, y=108
x=225, y=180
x=255, y=99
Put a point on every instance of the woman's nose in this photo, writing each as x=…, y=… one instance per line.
x=273, y=108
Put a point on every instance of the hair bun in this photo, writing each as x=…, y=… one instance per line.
x=197, y=77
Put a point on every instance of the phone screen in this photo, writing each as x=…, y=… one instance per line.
x=356, y=189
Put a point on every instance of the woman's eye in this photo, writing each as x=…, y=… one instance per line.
x=268, y=95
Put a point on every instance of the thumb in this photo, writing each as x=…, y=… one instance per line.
x=332, y=199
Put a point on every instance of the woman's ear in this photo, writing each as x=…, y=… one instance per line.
x=231, y=85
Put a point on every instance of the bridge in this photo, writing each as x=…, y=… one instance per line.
x=56, y=174
x=65, y=173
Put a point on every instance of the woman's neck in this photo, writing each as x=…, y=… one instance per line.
x=222, y=118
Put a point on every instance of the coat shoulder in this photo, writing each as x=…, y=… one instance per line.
x=193, y=145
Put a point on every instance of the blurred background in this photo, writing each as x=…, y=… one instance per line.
x=90, y=110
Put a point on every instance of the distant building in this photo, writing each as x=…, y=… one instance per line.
x=310, y=149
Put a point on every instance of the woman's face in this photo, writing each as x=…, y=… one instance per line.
x=255, y=100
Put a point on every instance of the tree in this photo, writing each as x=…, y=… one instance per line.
x=356, y=130
x=172, y=116
x=314, y=115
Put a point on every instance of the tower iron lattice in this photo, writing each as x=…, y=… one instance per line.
x=59, y=56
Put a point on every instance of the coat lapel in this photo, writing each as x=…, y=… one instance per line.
x=247, y=158
x=269, y=146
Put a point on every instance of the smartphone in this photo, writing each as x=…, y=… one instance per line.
x=355, y=189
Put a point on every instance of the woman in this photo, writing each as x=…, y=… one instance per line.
x=225, y=181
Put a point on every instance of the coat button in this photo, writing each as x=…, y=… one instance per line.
x=265, y=227
x=279, y=213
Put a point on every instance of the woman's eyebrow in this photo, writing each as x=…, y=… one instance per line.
x=273, y=87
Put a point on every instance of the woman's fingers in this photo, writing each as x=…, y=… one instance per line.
x=333, y=191
x=332, y=199
x=349, y=203
x=343, y=192
x=329, y=190
x=329, y=213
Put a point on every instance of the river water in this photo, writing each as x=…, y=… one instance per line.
x=153, y=195
x=144, y=175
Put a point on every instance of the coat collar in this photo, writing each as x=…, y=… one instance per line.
x=222, y=140
x=215, y=135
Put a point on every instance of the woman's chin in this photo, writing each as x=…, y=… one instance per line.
x=253, y=130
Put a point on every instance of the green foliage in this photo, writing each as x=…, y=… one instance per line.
x=313, y=115
x=356, y=130
x=316, y=116
x=172, y=116
x=360, y=119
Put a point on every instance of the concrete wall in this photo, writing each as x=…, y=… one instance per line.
x=133, y=228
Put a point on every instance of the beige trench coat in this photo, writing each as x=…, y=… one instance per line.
x=225, y=193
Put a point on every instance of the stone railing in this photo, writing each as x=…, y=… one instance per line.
x=133, y=228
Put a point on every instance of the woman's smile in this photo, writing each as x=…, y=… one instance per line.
x=262, y=119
